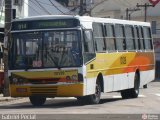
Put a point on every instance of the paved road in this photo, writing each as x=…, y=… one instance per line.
x=111, y=103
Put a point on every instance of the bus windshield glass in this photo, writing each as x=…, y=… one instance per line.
x=47, y=49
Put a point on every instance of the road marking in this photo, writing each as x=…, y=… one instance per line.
x=64, y=98
x=116, y=96
x=157, y=94
x=141, y=96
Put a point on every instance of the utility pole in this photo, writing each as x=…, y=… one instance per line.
x=128, y=15
x=146, y=5
x=81, y=8
x=127, y=11
x=8, y=18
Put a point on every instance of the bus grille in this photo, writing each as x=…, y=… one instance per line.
x=43, y=91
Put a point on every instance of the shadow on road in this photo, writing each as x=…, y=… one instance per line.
x=57, y=103
x=103, y=101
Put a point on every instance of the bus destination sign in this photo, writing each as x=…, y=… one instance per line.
x=45, y=24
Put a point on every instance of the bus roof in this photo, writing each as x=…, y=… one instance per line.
x=84, y=19
x=45, y=17
x=113, y=21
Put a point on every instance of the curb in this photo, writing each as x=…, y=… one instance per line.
x=6, y=99
x=156, y=80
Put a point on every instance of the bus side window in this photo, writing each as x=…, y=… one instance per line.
x=136, y=38
x=129, y=37
x=98, y=37
x=147, y=38
x=120, y=39
x=141, y=38
x=109, y=37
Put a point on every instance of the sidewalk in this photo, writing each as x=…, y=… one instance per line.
x=156, y=80
x=2, y=99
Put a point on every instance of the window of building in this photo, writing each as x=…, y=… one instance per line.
x=98, y=37
x=120, y=39
x=109, y=37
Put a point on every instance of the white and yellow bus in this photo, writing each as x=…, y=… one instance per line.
x=79, y=56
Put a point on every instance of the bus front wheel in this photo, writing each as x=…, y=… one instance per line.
x=145, y=86
x=92, y=99
x=95, y=98
x=37, y=101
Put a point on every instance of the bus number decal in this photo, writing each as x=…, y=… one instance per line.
x=123, y=60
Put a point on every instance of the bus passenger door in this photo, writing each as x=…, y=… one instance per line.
x=88, y=59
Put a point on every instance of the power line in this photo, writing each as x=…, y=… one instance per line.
x=56, y=7
x=99, y=3
x=69, y=12
x=128, y=3
x=125, y=3
x=122, y=3
x=32, y=8
x=72, y=10
x=46, y=3
x=145, y=6
x=52, y=6
x=43, y=7
x=37, y=5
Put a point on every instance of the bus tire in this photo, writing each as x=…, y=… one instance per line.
x=37, y=101
x=82, y=100
x=125, y=94
x=145, y=86
x=134, y=92
x=95, y=98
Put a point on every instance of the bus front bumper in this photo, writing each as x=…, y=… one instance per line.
x=69, y=90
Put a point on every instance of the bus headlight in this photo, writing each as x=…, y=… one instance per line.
x=19, y=81
x=68, y=78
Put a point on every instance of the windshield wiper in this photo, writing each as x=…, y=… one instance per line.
x=63, y=52
x=53, y=60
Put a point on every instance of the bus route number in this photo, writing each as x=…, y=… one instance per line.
x=123, y=60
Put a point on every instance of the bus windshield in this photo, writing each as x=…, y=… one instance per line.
x=47, y=49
